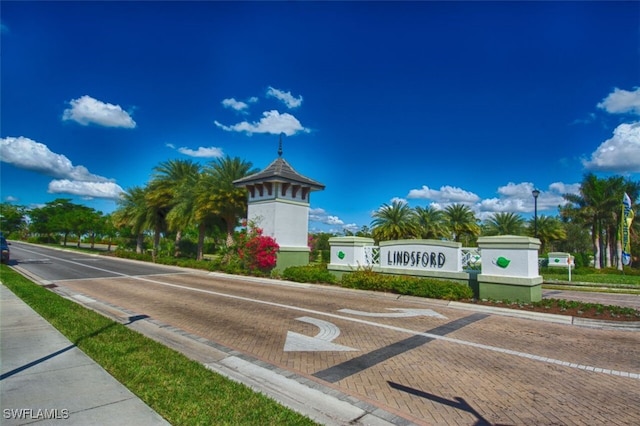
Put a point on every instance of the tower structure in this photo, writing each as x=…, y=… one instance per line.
x=279, y=204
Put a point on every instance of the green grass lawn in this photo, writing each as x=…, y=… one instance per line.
x=182, y=391
x=608, y=277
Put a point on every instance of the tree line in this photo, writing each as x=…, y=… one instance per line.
x=184, y=198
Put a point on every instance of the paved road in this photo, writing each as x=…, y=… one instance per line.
x=421, y=360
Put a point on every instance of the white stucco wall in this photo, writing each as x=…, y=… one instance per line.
x=286, y=222
x=509, y=256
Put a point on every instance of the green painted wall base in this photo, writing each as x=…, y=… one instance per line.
x=291, y=257
x=501, y=288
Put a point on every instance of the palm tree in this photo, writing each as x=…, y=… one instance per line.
x=174, y=183
x=598, y=206
x=461, y=221
x=169, y=188
x=587, y=208
x=431, y=224
x=218, y=196
x=550, y=229
x=504, y=224
x=394, y=222
x=132, y=212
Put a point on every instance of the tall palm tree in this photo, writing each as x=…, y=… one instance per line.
x=431, y=224
x=169, y=188
x=461, y=221
x=132, y=212
x=394, y=222
x=174, y=183
x=588, y=207
x=218, y=196
x=550, y=229
x=504, y=224
x=598, y=206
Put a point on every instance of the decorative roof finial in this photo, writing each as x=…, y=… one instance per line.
x=280, y=146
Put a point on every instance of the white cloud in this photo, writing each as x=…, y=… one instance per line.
x=512, y=198
x=202, y=152
x=286, y=97
x=351, y=227
x=87, y=110
x=233, y=104
x=620, y=154
x=523, y=189
x=272, y=122
x=28, y=154
x=446, y=194
x=622, y=101
x=321, y=216
x=10, y=199
x=565, y=188
x=334, y=220
x=512, y=205
x=518, y=198
x=109, y=190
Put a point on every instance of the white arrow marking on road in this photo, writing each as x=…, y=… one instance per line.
x=297, y=342
x=402, y=313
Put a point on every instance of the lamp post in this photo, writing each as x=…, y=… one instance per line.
x=535, y=193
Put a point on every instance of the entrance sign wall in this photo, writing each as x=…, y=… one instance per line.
x=509, y=263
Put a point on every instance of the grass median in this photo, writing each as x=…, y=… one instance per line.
x=182, y=391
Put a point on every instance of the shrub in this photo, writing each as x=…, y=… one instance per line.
x=128, y=254
x=308, y=274
x=423, y=287
x=257, y=252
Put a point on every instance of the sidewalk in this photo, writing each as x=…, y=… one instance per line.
x=46, y=380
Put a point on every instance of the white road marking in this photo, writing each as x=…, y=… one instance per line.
x=401, y=313
x=297, y=342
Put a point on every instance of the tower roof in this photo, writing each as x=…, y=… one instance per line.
x=279, y=171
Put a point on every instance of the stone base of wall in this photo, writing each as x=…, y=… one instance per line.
x=510, y=288
x=292, y=256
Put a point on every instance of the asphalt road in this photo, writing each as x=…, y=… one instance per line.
x=422, y=360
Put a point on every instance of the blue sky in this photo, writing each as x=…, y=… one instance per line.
x=429, y=102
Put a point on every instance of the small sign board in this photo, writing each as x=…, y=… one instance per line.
x=561, y=259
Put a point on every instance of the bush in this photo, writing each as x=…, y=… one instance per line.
x=128, y=254
x=309, y=274
x=413, y=286
x=257, y=252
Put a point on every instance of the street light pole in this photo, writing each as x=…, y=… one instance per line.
x=535, y=193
